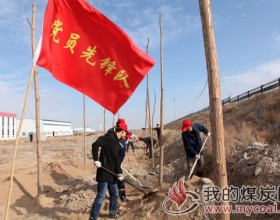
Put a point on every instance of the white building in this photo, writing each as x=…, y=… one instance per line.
x=81, y=130
x=8, y=125
x=47, y=127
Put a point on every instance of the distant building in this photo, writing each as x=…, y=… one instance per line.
x=47, y=127
x=8, y=125
x=81, y=130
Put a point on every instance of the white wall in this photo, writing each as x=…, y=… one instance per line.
x=56, y=128
x=47, y=127
x=82, y=130
x=8, y=126
x=28, y=126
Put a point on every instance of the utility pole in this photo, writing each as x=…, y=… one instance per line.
x=216, y=111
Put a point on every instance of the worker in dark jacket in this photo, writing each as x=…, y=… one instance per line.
x=157, y=128
x=109, y=158
x=148, y=142
x=122, y=142
x=193, y=143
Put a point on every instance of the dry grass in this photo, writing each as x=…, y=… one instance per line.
x=255, y=119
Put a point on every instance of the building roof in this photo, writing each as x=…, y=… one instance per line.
x=6, y=114
x=56, y=121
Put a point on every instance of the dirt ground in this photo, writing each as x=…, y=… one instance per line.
x=69, y=184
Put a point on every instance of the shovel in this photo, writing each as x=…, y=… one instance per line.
x=195, y=162
x=140, y=184
x=147, y=193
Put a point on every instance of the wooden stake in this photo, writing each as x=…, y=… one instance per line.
x=149, y=114
x=113, y=121
x=216, y=113
x=174, y=112
x=84, y=108
x=147, y=106
x=161, y=104
x=37, y=110
x=104, y=129
x=17, y=140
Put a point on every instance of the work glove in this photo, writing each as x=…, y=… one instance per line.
x=208, y=134
x=197, y=156
x=120, y=177
x=97, y=164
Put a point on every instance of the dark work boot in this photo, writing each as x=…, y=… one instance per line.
x=122, y=196
x=115, y=216
x=124, y=199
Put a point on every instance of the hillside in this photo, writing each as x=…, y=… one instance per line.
x=255, y=119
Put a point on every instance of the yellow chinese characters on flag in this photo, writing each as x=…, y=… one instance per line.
x=85, y=50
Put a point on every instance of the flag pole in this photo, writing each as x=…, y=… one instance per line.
x=17, y=140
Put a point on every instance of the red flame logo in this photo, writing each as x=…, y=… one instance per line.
x=177, y=193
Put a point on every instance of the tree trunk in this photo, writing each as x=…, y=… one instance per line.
x=148, y=110
x=174, y=114
x=104, y=121
x=37, y=109
x=216, y=113
x=84, y=113
x=161, y=104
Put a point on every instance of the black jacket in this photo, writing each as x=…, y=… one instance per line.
x=192, y=140
x=109, y=156
x=148, y=141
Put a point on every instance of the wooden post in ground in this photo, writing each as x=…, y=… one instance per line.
x=147, y=104
x=174, y=127
x=37, y=110
x=216, y=112
x=113, y=120
x=37, y=107
x=148, y=110
x=84, y=116
x=104, y=129
x=161, y=104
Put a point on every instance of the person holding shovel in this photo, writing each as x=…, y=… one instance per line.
x=108, y=159
x=192, y=143
x=122, y=142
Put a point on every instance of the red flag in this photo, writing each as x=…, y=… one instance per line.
x=85, y=50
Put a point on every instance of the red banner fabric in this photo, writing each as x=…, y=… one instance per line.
x=83, y=49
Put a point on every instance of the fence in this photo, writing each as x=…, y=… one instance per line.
x=261, y=89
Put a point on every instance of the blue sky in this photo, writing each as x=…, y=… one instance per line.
x=248, y=46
